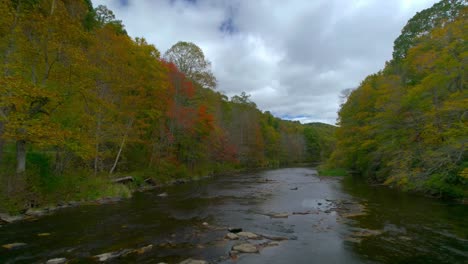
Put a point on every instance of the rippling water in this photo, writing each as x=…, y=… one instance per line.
x=329, y=221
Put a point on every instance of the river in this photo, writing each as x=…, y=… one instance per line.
x=315, y=220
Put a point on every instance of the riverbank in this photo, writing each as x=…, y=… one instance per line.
x=125, y=186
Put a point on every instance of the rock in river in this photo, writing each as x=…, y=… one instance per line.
x=231, y=236
x=56, y=261
x=245, y=248
x=14, y=245
x=162, y=195
x=110, y=255
x=193, y=261
x=248, y=235
x=281, y=215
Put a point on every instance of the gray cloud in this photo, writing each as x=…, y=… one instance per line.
x=294, y=57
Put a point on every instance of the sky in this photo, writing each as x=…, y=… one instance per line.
x=293, y=57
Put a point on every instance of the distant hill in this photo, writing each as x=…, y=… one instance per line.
x=320, y=140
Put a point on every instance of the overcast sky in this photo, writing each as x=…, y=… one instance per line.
x=294, y=57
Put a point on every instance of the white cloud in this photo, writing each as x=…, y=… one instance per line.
x=294, y=57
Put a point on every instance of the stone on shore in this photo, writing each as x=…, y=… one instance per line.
x=124, y=180
x=10, y=219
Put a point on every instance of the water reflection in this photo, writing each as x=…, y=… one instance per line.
x=323, y=220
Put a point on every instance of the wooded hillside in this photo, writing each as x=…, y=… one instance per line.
x=81, y=101
x=407, y=125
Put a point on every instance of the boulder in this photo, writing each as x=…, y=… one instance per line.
x=248, y=235
x=232, y=236
x=14, y=245
x=56, y=261
x=111, y=255
x=245, y=248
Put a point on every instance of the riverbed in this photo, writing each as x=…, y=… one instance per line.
x=298, y=217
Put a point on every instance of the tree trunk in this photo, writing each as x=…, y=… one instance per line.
x=20, y=156
x=97, y=138
x=127, y=130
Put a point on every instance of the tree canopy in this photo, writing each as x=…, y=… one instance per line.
x=191, y=61
x=407, y=125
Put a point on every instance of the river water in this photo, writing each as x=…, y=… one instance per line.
x=329, y=220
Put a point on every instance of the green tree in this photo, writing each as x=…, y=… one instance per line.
x=191, y=61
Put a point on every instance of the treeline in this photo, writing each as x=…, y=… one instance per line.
x=407, y=125
x=81, y=101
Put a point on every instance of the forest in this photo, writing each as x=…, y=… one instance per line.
x=407, y=125
x=82, y=103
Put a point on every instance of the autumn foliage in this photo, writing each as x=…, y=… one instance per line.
x=407, y=125
x=81, y=101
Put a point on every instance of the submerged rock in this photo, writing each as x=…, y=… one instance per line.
x=162, y=195
x=193, y=261
x=281, y=215
x=56, y=261
x=14, y=245
x=276, y=238
x=245, y=248
x=302, y=213
x=272, y=244
x=248, y=235
x=43, y=234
